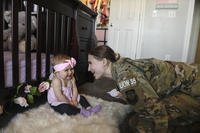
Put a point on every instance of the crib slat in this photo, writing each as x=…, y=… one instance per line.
x=63, y=33
x=48, y=42
x=39, y=44
x=28, y=41
x=15, y=56
x=2, y=78
x=56, y=33
x=68, y=33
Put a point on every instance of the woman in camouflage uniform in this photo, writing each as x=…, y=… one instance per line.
x=160, y=91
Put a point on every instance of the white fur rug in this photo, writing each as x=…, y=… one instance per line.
x=44, y=120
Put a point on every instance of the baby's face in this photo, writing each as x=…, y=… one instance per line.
x=66, y=73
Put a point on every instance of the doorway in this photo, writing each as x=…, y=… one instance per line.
x=197, y=11
x=125, y=26
x=197, y=57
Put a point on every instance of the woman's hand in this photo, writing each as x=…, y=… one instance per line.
x=69, y=84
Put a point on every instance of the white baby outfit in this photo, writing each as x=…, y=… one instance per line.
x=67, y=91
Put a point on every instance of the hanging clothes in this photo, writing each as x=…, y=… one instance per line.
x=74, y=42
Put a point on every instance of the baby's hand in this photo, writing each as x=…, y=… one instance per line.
x=71, y=103
x=69, y=83
x=75, y=102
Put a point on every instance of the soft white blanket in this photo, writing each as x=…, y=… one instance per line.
x=44, y=120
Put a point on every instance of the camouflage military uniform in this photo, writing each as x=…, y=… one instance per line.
x=160, y=91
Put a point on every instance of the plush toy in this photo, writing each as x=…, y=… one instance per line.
x=21, y=34
x=25, y=94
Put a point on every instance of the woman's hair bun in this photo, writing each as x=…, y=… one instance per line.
x=117, y=56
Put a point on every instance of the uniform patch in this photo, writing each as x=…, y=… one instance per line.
x=126, y=83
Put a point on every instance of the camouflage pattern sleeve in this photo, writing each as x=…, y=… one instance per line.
x=150, y=107
x=138, y=91
x=160, y=91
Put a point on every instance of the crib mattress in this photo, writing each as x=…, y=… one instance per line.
x=22, y=69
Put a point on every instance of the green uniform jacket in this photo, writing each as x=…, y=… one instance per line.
x=146, y=83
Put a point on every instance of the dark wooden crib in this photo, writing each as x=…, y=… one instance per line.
x=63, y=26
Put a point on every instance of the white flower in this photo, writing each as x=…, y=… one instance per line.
x=27, y=88
x=43, y=86
x=21, y=101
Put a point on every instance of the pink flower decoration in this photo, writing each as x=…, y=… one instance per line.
x=43, y=86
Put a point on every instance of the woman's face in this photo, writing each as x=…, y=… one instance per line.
x=97, y=67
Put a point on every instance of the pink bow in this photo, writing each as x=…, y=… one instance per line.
x=72, y=62
x=66, y=63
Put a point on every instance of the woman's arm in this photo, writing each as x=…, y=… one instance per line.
x=139, y=92
x=153, y=108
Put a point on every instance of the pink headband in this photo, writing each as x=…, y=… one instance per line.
x=66, y=63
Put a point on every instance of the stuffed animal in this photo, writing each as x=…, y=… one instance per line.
x=26, y=94
x=22, y=31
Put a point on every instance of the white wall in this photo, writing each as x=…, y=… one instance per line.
x=164, y=36
x=167, y=37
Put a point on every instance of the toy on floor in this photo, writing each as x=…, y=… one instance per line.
x=25, y=94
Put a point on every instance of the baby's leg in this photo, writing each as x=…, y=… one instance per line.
x=67, y=109
x=84, y=102
x=71, y=110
